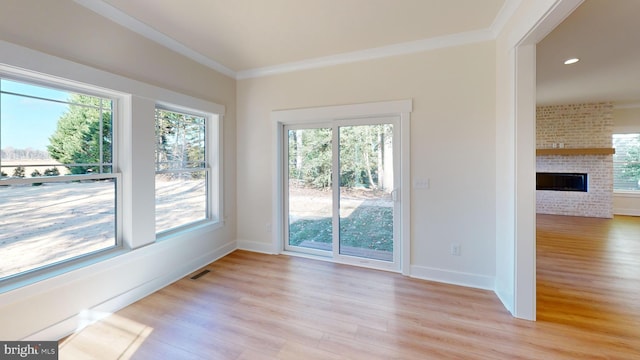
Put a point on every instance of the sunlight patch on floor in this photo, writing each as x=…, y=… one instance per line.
x=113, y=337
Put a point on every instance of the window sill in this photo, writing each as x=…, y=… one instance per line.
x=197, y=228
x=627, y=193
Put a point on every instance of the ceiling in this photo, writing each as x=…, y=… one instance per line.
x=240, y=36
x=246, y=38
x=604, y=35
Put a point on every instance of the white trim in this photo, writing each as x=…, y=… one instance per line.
x=405, y=194
x=453, y=277
x=119, y=17
x=404, y=48
x=307, y=256
x=626, y=129
x=216, y=162
x=627, y=193
x=522, y=40
x=508, y=9
x=634, y=105
x=319, y=114
x=60, y=178
x=525, y=195
x=627, y=211
x=255, y=246
x=277, y=220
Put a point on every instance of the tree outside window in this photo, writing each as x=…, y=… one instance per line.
x=626, y=162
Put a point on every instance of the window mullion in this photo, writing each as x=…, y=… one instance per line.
x=101, y=141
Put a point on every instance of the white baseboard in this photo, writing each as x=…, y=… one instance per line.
x=453, y=277
x=260, y=247
x=626, y=203
x=626, y=212
x=506, y=299
x=86, y=317
x=418, y=272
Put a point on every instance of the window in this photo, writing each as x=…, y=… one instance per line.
x=626, y=162
x=182, y=171
x=58, y=187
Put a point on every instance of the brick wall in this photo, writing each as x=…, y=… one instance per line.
x=577, y=126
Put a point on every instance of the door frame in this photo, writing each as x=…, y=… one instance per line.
x=519, y=295
x=399, y=108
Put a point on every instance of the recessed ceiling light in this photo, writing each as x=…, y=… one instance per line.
x=571, y=61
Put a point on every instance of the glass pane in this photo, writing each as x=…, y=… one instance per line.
x=180, y=141
x=310, y=197
x=46, y=133
x=366, y=184
x=48, y=223
x=626, y=162
x=18, y=87
x=181, y=199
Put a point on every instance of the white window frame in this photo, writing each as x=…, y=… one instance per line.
x=213, y=153
x=117, y=98
x=628, y=192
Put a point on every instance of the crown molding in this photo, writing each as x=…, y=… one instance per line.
x=119, y=17
x=370, y=54
x=506, y=12
x=116, y=15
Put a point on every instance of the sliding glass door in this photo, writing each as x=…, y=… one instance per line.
x=366, y=191
x=341, y=198
x=310, y=200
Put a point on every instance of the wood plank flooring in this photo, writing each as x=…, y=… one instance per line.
x=255, y=306
x=589, y=274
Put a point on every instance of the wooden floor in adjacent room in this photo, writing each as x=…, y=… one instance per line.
x=589, y=274
x=256, y=306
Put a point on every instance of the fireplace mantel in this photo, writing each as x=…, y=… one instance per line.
x=579, y=151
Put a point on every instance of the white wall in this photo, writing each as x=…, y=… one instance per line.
x=51, y=308
x=452, y=144
x=626, y=120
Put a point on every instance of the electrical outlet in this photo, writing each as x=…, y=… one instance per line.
x=455, y=249
x=421, y=184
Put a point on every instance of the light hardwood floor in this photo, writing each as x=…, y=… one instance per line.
x=255, y=306
x=589, y=274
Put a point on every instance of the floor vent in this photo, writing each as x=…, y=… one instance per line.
x=200, y=274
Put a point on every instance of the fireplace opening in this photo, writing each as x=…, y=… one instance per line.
x=561, y=181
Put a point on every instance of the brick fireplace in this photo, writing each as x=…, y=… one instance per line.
x=576, y=126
